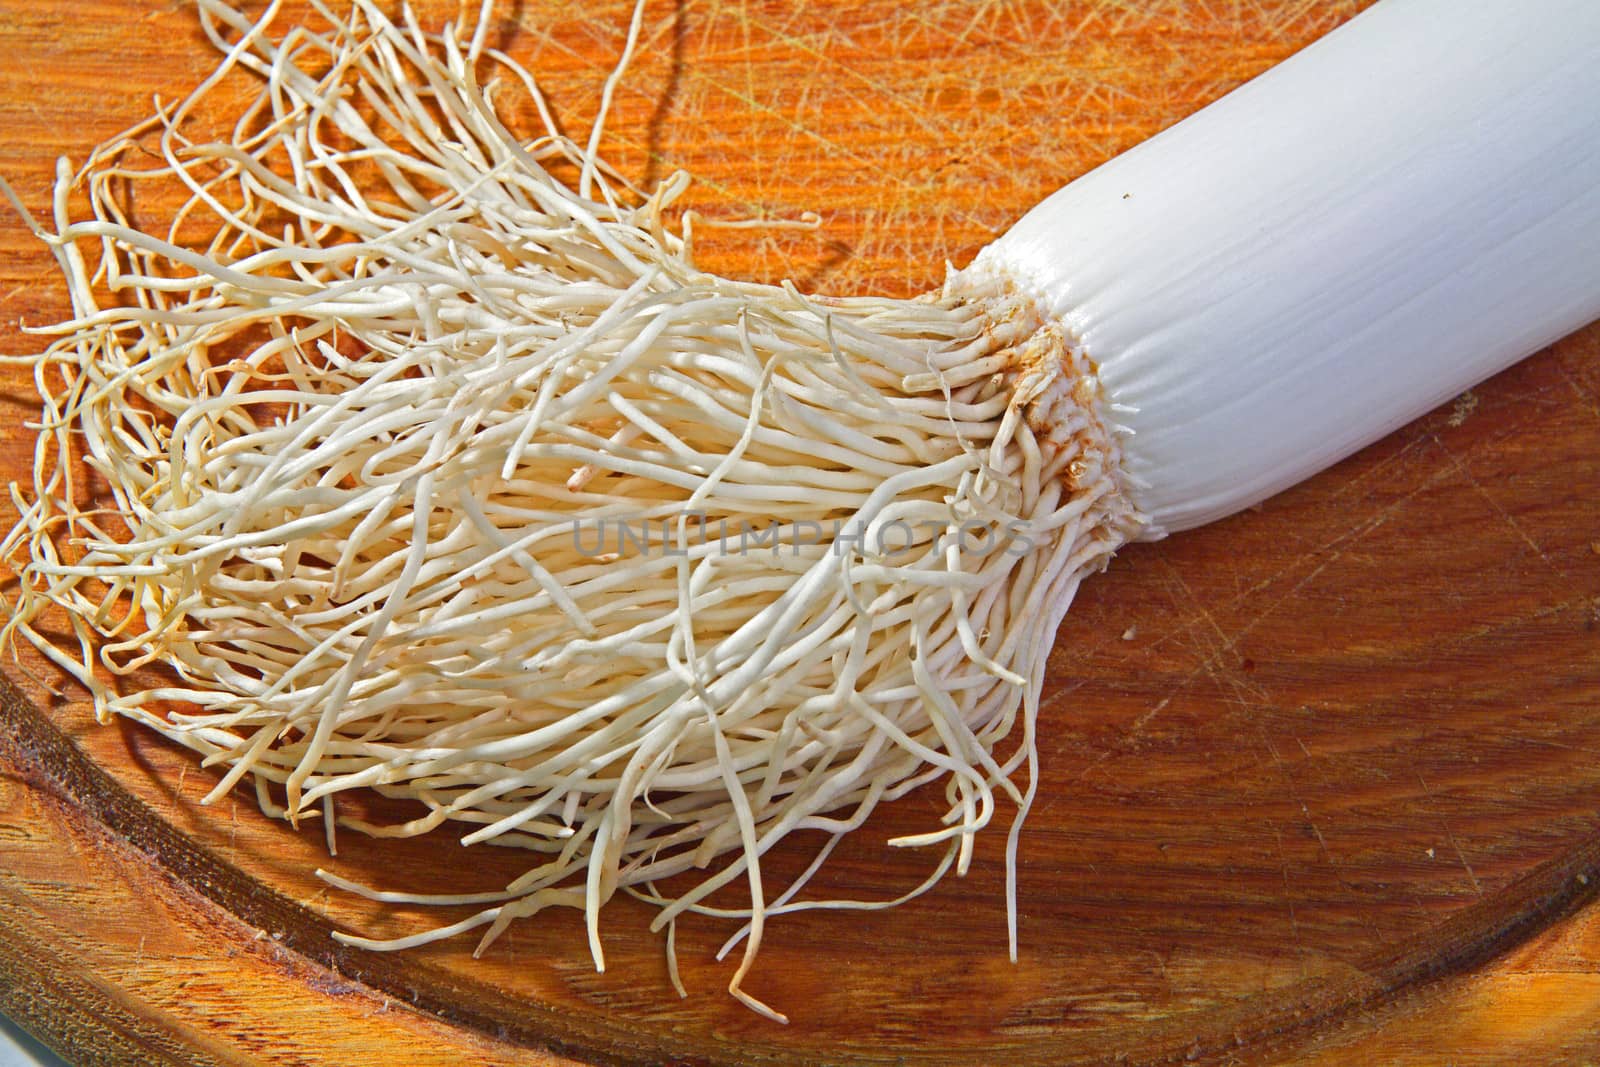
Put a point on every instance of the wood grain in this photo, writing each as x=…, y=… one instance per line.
x=1319, y=780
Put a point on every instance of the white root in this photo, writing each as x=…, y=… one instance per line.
x=433, y=475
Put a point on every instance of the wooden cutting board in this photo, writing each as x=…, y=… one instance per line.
x=1320, y=782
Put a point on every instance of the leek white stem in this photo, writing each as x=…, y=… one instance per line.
x=1407, y=206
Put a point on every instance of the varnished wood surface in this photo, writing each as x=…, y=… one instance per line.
x=1320, y=781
